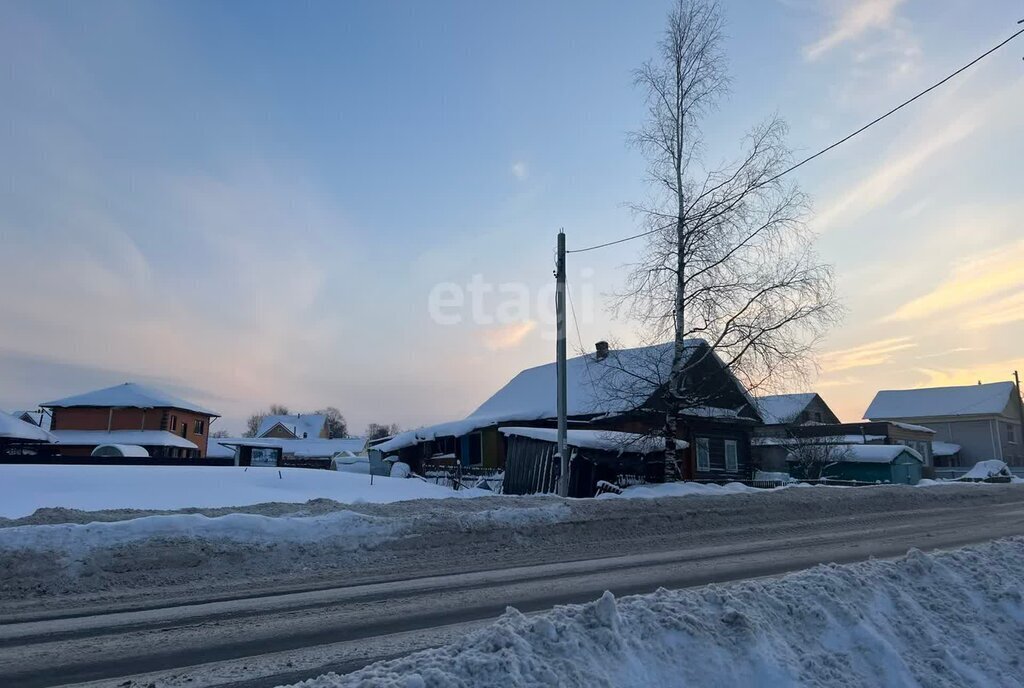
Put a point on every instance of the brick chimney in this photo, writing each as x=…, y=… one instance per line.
x=602, y=350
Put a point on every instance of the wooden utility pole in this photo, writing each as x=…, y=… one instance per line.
x=1020, y=407
x=563, y=454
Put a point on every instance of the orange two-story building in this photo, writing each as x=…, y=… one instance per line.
x=130, y=414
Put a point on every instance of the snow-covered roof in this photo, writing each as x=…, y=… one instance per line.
x=14, y=428
x=779, y=409
x=877, y=453
x=944, y=448
x=40, y=418
x=914, y=428
x=940, y=401
x=870, y=453
x=310, y=448
x=144, y=438
x=129, y=395
x=620, y=383
x=605, y=440
x=298, y=424
x=124, y=450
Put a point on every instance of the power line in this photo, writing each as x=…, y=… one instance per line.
x=579, y=338
x=840, y=142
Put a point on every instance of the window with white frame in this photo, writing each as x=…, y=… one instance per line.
x=732, y=463
x=1011, y=433
x=703, y=454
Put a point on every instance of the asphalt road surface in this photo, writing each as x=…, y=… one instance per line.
x=265, y=637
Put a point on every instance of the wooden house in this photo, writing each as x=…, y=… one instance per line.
x=972, y=422
x=294, y=426
x=608, y=390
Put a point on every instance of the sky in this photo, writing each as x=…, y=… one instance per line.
x=355, y=204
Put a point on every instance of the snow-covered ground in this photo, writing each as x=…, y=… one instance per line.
x=24, y=488
x=937, y=620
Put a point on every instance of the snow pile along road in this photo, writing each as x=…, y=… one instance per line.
x=684, y=489
x=938, y=620
x=174, y=548
x=346, y=530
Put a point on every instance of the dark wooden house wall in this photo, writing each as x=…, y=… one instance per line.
x=530, y=467
x=717, y=433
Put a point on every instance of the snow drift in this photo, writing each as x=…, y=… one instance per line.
x=937, y=620
x=25, y=488
x=986, y=470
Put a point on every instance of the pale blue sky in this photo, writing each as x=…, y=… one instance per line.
x=251, y=202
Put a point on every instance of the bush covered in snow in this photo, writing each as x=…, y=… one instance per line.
x=937, y=620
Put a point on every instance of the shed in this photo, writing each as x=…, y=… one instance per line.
x=532, y=465
x=873, y=463
x=20, y=438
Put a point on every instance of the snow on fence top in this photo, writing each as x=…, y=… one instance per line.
x=915, y=428
x=129, y=395
x=12, y=428
x=940, y=401
x=944, y=448
x=825, y=439
x=783, y=408
x=144, y=438
x=604, y=440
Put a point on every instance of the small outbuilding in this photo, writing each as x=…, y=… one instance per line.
x=621, y=458
x=121, y=451
x=871, y=463
x=20, y=438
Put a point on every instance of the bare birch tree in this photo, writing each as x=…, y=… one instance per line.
x=728, y=257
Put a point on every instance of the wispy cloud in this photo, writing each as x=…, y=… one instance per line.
x=857, y=18
x=886, y=181
x=994, y=275
x=949, y=352
x=507, y=336
x=520, y=170
x=866, y=355
x=997, y=371
x=1001, y=312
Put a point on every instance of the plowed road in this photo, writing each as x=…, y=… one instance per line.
x=269, y=639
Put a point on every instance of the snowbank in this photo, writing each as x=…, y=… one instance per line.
x=939, y=620
x=993, y=468
x=343, y=530
x=655, y=491
x=23, y=489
